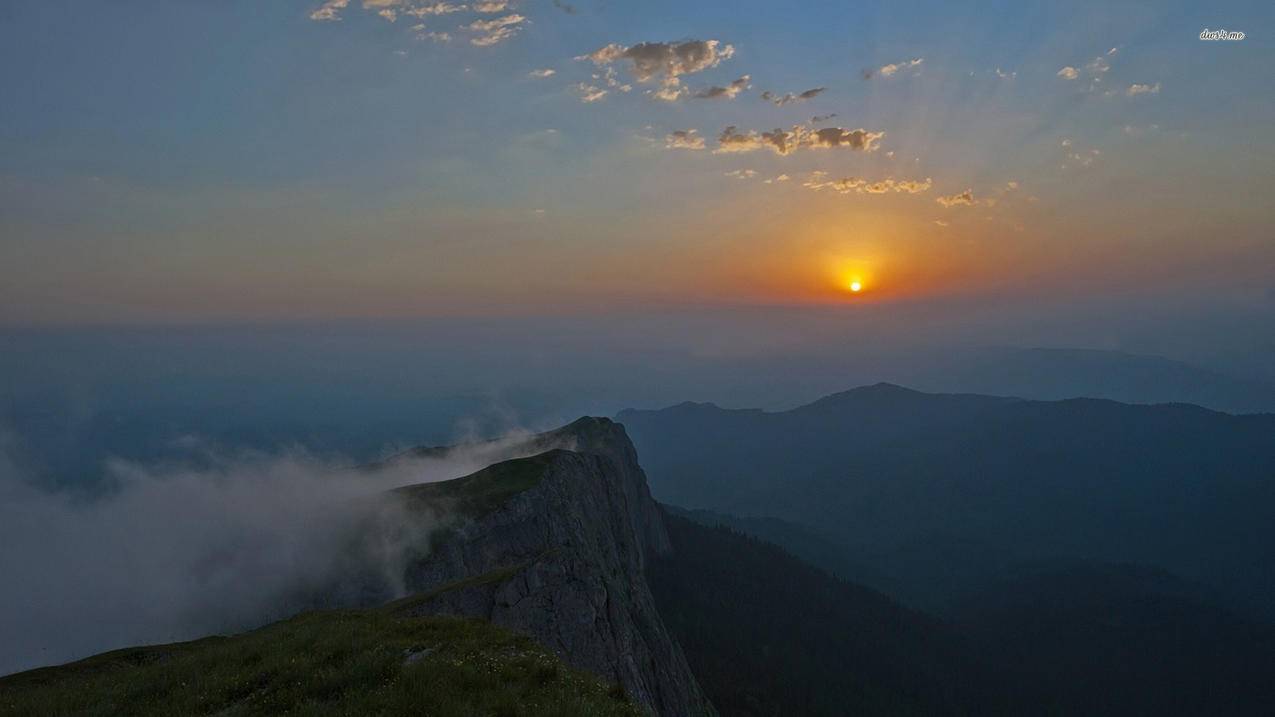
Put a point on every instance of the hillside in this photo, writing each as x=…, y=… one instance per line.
x=768, y=634
x=940, y=493
x=324, y=663
x=1122, y=639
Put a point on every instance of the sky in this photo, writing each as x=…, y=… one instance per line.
x=194, y=162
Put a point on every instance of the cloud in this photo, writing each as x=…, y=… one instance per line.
x=894, y=68
x=785, y=142
x=226, y=542
x=437, y=8
x=565, y=7
x=684, y=139
x=781, y=100
x=1005, y=75
x=589, y=93
x=495, y=30
x=329, y=11
x=1074, y=156
x=780, y=178
x=490, y=6
x=1094, y=70
x=1139, y=89
x=663, y=62
x=822, y=118
x=729, y=92
x=742, y=173
x=818, y=181
x=542, y=74
x=965, y=198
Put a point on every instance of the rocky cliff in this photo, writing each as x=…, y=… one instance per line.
x=554, y=545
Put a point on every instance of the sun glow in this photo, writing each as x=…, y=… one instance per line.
x=856, y=286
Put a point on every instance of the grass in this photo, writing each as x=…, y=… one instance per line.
x=373, y=662
x=480, y=493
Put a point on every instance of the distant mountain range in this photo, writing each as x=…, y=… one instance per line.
x=937, y=494
x=1054, y=374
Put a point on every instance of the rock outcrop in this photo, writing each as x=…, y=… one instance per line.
x=554, y=545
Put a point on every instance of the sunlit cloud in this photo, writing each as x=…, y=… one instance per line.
x=788, y=98
x=1069, y=73
x=742, y=173
x=1140, y=89
x=329, y=11
x=495, y=30
x=819, y=181
x=728, y=92
x=542, y=74
x=780, y=178
x=589, y=93
x=894, y=68
x=437, y=8
x=965, y=198
x=684, y=139
x=784, y=142
x=664, y=63
x=491, y=6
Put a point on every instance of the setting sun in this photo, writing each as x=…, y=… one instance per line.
x=856, y=286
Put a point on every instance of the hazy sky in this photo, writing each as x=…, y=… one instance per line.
x=189, y=161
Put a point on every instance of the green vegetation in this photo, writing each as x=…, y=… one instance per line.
x=480, y=493
x=373, y=662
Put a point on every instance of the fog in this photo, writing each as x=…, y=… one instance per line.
x=224, y=542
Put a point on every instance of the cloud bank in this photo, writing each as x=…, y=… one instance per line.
x=178, y=552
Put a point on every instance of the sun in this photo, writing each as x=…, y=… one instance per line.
x=856, y=286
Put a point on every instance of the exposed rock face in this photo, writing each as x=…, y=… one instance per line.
x=562, y=560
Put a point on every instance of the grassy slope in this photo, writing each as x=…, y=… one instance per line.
x=373, y=662
x=480, y=493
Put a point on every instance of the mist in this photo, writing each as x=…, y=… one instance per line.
x=221, y=542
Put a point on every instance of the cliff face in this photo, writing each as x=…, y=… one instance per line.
x=555, y=545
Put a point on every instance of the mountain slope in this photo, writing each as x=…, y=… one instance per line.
x=768, y=634
x=940, y=493
x=567, y=535
x=324, y=663
x=1123, y=639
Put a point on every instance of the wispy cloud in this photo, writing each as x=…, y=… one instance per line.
x=729, y=92
x=495, y=30
x=894, y=68
x=684, y=139
x=965, y=198
x=788, y=98
x=784, y=142
x=542, y=74
x=819, y=181
x=1139, y=89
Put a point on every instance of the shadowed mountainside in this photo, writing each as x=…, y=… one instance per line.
x=940, y=493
